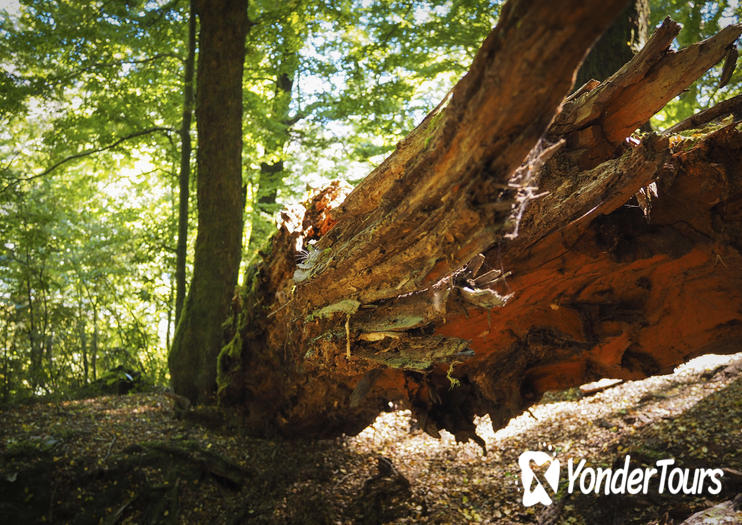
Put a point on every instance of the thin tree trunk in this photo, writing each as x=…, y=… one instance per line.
x=692, y=31
x=51, y=384
x=169, y=328
x=273, y=171
x=6, y=379
x=13, y=351
x=185, y=170
x=94, y=344
x=33, y=338
x=198, y=335
x=46, y=337
x=84, y=350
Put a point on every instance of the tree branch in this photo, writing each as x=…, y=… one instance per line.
x=595, y=122
x=101, y=65
x=88, y=152
x=732, y=105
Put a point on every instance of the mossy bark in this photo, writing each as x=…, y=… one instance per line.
x=199, y=334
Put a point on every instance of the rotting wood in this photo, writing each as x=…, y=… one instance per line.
x=436, y=206
x=595, y=122
x=451, y=314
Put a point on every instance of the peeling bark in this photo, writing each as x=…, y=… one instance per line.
x=505, y=249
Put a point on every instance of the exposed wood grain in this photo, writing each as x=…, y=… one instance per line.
x=598, y=120
x=425, y=205
x=385, y=307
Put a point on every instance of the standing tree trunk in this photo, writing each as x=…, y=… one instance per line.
x=618, y=44
x=51, y=383
x=517, y=241
x=185, y=171
x=272, y=169
x=199, y=333
x=13, y=352
x=34, y=338
x=6, y=360
x=83, y=346
x=94, y=343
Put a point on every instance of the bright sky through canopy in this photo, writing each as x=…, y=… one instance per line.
x=11, y=6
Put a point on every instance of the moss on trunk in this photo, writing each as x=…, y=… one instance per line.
x=199, y=335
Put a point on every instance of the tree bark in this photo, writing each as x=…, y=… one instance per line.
x=199, y=334
x=83, y=349
x=6, y=360
x=94, y=343
x=516, y=242
x=184, y=175
x=272, y=169
x=618, y=44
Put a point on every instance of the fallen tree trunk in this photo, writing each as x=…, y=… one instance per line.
x=516, y=242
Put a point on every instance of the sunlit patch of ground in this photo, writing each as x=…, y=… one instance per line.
x=74, y=461
x=458, y=482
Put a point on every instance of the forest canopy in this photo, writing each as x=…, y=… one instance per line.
x=94, y=100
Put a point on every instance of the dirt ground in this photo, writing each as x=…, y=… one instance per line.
x=129, y=459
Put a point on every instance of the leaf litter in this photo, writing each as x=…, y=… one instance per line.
x=129, y=459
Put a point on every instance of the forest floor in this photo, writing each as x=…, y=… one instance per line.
x=128, y=459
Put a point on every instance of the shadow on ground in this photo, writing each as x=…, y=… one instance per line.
x=128, y=459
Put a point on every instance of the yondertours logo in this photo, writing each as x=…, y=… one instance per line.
x=534, y=490
x=540, y=474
